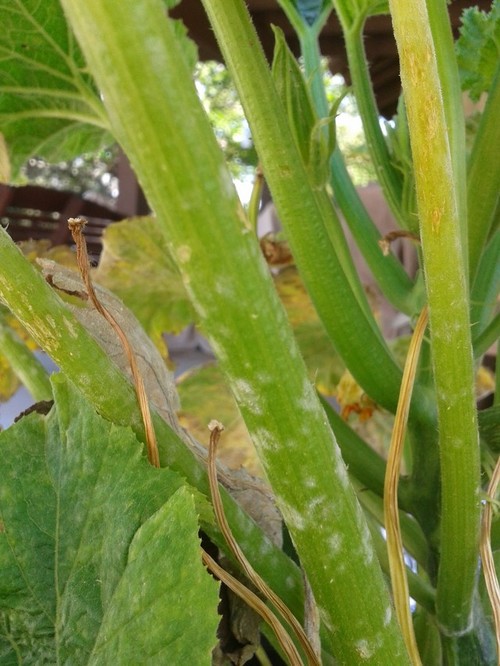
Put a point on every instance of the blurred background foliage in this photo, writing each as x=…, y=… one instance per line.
x=94, y=174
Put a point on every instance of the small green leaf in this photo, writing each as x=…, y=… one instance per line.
x=136, y=253
x=315, y=138
x=322, y=145
x=478, y=49
x=75, y=492
x=294, y=94
x=49, y=105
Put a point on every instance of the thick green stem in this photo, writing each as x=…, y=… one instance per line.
x=27, y=367
x=445, y=273
x=439, y=23
x=82, y=360
x=155, y=114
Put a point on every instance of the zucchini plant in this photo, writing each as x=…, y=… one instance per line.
x=99, y=552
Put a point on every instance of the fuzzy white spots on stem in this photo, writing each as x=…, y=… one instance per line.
x=293, y=517
x=218, y=350
x=335, y=543
x=70, y=327
x=184, y=254
x=341, y=472
x=364, y=649
x=247, y=397
x=265, y=439
x=308, y=401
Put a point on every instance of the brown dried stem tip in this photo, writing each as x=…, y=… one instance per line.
x=76, y=226
x=388, y=239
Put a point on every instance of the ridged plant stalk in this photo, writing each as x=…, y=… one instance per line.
x=442, y=37
x=447, y=292
x=154, y=113
x=81, y=359
x=352, y=333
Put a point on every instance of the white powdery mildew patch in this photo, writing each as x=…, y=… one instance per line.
x=265, y=439
x=366, y=541
x=218, y=350
x=227, y=184
x=246, y=396
x=326, y=620
x=264, y=378
x=364, y=649
x=310, y=482
x=387, y=616
x=70, y=327
x=225, y=288
x=320, y=505
x=194, y=300
x=308, y=401
x=293, y=517
x=335, y=543
x=265, y=548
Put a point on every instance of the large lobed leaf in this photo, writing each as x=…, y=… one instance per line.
x=49, y=105
x=99, y=552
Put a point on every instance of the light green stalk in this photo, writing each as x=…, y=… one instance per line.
x=79, y=356
x=447, y=291
x=155, y=114
x=24, y=363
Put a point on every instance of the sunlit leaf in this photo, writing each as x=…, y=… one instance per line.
x=204, y=396
x=325, y=367
x=135, y=253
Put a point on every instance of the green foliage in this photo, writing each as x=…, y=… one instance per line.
x=49, y=104
x=135, y=252
x=478, y=49
x=99, y=553
x=96, y=547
